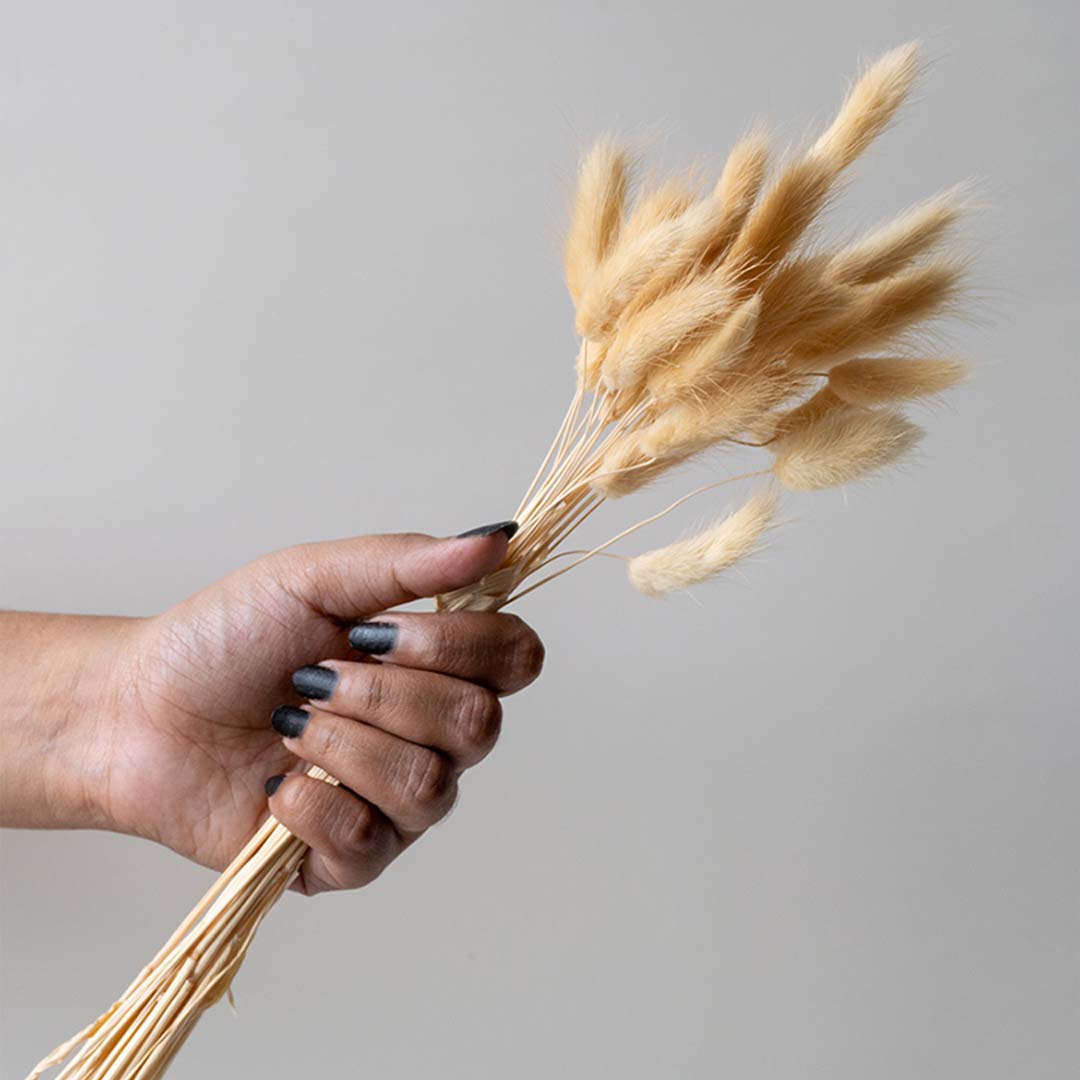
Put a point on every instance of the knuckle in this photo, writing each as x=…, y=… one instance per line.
x=324, y=738
x=526, y=653
x=444, y=647
x=374, y=689
x=291, y=799
x=431, y=784
x=479, y=720
x=360, y=833
x=285, y=563
x=296, y=568
x=297, y=802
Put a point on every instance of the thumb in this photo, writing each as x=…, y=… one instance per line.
x=348, y=579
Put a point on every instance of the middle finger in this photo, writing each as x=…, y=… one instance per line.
x=493, y=649
x=459, y=718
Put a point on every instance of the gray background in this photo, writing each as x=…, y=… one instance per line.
x=275, y=272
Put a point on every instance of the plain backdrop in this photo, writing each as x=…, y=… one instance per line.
x=276, y=272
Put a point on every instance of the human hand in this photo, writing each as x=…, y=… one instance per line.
x=192, y=753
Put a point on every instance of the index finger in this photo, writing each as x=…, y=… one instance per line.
x=498, y=651
x=348, y=579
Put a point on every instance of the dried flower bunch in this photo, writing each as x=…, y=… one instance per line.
x=705, y=320
x=722, y=319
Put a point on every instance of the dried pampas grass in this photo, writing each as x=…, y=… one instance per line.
x=885, y=379
x=708, y=321
x=698, y=558
x=875, y=316
x=898, y=243
x=597, y=214
x=704, y=365
x=869, y=107
x=841, y=447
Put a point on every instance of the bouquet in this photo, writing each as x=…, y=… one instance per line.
x=707, y=320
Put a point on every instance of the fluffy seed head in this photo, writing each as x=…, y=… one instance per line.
x=704, y=225
x=841, y=447
x=654, y=334
x=699, y=558
x=624, y=272
x=735, y=193
x=732, y=408
x=663, y=203
x=876, y=382
x=661, y=248
x=795, y=298
x=892, y=247
x=597, y=212
x=816, y=406
x=778, y=222
x=711, y=225
x=744, y=172
x=877, y=315
x=624, y=469
x=696, y=373
x=802, y=188
x=869, y=106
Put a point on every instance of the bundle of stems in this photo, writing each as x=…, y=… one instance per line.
x=705, y=320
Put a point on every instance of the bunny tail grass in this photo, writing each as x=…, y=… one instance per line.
x=699, y=558
x=842, y=447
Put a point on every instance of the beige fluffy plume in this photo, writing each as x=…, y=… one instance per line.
x=709, y=360
x=653, y=336
x=878, y=315
x=885, y=379
x=895, y=245
x=842, y=447
x=801, y=190
x=698, y=558
x=870, y=106
x=597, y=212
x=663, y=203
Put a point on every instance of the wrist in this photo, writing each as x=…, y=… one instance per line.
x=61, y=678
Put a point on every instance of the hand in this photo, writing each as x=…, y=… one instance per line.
x=190, y=751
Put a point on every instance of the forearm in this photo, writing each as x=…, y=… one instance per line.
x=59, y=685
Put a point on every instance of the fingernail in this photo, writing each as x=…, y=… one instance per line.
x=289, y=722
x=375, y=638
x=315, y=681
x=508, y=527
x=273, y=783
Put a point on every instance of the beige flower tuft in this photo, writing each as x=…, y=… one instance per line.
x=597, y=212
x=842, y=447
x=876, y=382
x=698, y=558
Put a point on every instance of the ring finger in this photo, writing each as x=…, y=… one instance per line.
x=414, y=786
x=457, y=717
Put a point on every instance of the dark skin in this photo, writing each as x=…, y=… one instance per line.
x=160, y=727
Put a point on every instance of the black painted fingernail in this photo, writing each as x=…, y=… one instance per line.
x=375, y=638
x=508, y=527
x=289, y=721
x=273, y=783
x=315, y=681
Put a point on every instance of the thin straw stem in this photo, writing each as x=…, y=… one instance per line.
x=556, y=446
x=634, y=528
